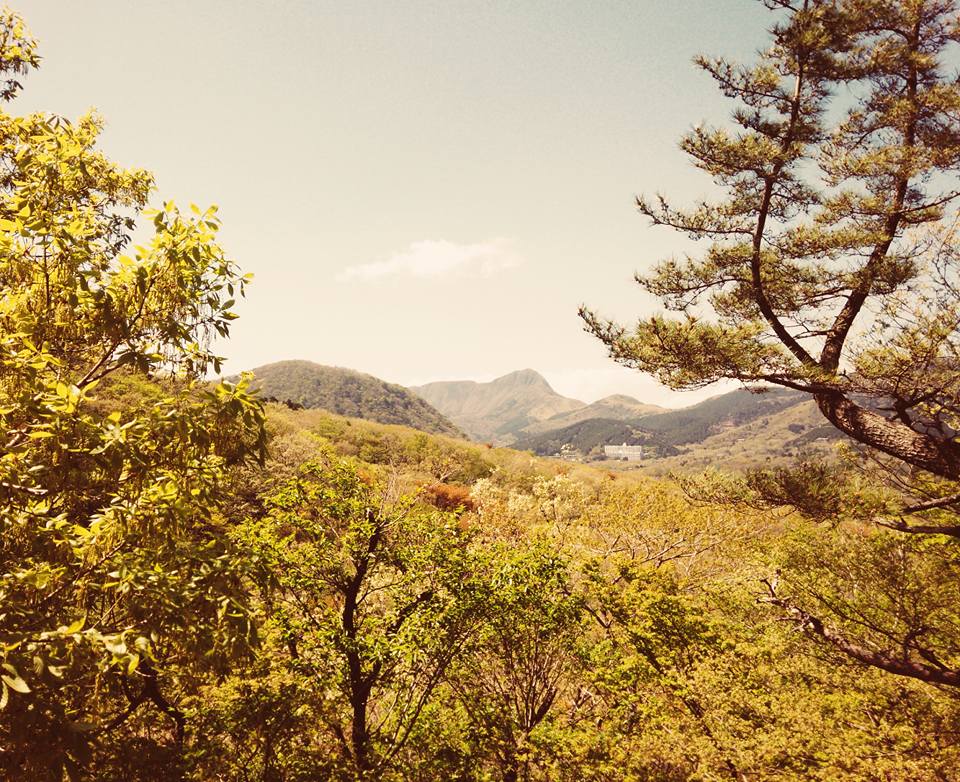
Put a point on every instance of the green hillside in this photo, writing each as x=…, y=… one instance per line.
x=350, y=393
x=619, y=407
x=684, y=429
x=698, y=422
x=772, y=439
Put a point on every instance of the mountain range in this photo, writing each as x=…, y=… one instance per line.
x=520, y=405
x=742, y=426
x=496, y=411
x=769, y=438
x=521, y=410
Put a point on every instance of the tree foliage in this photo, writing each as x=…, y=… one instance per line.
x=371, y=595
x=115, y=577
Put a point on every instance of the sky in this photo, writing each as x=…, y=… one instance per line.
x=422, y=190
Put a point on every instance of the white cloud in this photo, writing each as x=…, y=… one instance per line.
x=432, y=258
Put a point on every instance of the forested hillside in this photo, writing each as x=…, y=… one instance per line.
x=586, y=439
x=742, y=429
x=201, y=584
x=633, y=611
x=780, y=438
x=347, y=392
x=696, y=423
x=618, y=407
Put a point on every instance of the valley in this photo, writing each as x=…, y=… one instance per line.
x=522, y=411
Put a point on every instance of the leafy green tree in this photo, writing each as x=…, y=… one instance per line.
x=905, y=622
x=517, y=681
x=116, y=579
x=370, y=597
x=642, y=667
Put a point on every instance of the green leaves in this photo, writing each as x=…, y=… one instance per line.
x=10, y=680
x=372, y=593
x=116, y=568
x=691, y=353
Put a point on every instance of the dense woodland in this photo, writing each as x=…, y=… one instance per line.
x=196, y=585
x=349, y=393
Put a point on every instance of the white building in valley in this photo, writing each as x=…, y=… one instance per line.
x=630, y=453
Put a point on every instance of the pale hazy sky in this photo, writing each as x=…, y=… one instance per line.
x=423, y=190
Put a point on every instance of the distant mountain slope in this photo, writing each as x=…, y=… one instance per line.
x=665, y=432
x=618, y=407
x=767, y=440
x=698, y=422
x=497, y=411
x=349, y=393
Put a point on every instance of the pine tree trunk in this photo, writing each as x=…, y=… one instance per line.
x=940, y=457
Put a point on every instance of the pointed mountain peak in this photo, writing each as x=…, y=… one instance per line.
x=523, y=377
x=621, y=399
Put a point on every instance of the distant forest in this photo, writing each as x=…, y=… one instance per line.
x=349, y=393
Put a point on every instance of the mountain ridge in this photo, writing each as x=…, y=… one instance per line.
x=521, y=409
x=667, y=431
x=497, y=410
x=619, y=407
x=349, y=392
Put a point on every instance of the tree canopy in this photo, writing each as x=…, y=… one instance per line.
x=112, y=570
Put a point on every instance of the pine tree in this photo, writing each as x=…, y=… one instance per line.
x=831, y=268
x=830, y=265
